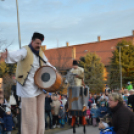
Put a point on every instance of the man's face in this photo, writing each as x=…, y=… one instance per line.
x=62, y=97
x=36, y=44
x=55, y=98
x=1, y=100
x=90, y=95
x=75, y=66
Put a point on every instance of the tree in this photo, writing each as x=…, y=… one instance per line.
x=9, y=69
x=94, y=72
x=127, y=64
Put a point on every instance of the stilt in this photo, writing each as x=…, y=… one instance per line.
x=74, y=131
x=84, y=129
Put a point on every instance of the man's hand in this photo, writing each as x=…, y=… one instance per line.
x=4, y=54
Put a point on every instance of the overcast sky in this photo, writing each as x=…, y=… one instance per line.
x=75, y=21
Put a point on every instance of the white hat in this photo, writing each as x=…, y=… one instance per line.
x=8, y=109
x=105, y=124
x=94, y=104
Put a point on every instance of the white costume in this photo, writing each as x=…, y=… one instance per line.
x=29, y=89
x=32, y=97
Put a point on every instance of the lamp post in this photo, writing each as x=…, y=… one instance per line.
x=120, y=66
x=19, y=36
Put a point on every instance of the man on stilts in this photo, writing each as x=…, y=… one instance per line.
x=77, y=96
x=28, y=60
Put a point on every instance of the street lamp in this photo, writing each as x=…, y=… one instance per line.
x=120, y=66
x=19, y=36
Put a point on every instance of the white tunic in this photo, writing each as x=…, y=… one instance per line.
x=29, y=89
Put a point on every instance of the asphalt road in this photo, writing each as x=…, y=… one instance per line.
x=68, y=130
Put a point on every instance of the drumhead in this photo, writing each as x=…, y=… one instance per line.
x=45, y=77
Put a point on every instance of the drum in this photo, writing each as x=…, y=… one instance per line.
x=48, y=79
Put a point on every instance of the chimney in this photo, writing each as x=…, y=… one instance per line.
x=133, y=32
x=99, y=38
x=67, y=44
x=74, y=53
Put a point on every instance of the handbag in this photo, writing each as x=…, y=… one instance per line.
x=108, y=130
x=12, y=100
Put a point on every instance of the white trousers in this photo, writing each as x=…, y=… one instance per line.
x=32, y=115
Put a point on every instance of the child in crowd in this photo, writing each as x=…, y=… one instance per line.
x=69, y=118
x=61, y=116
x=106, y=126
x=102, y=110
x=88, y=115
x=94, y=113
x=55, y=110
x=8, y=121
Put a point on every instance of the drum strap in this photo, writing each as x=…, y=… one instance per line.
x=40, y=58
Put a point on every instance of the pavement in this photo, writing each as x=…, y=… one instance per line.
x=68, y=130
x=89, y=130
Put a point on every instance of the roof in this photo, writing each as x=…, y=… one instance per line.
x=62, y=57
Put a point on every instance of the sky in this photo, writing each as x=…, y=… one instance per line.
x=61, y=21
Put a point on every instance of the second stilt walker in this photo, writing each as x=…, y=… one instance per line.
x=78, y=95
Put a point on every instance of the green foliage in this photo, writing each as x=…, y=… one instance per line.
x=127, y=63
x=94, y=72
x=7, y=69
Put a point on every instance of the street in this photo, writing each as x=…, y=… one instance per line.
x=68, y=130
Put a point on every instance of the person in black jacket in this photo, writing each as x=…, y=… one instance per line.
x=122, y=117
x=48, y=100
x=131, y=98
x=2, y=112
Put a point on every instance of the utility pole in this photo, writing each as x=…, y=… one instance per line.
x=120, y=66
x=19, y=36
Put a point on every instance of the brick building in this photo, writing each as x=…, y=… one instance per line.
x=62, y=57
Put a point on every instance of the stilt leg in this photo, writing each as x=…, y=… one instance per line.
x=74, y=131
x=84, y=129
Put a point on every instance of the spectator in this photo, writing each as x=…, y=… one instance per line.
x=126, y=94
x=61, y=116
x=2, y=111
x=48, y=100
x=94, y=113
x=69, y=118
x=95, y=98
x=8, y=121
x=130, y=107
x=55, y=110
x=88, y=115
x=63, y=100
x=131, y=98
x=91, y=100
x=18, y=112
x=102, y=110
x=122, y=117
x=120, y=91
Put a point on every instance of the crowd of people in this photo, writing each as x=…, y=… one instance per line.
x=105, y=110
x=101, y=111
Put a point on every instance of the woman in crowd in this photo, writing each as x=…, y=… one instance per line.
x=123, y=118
